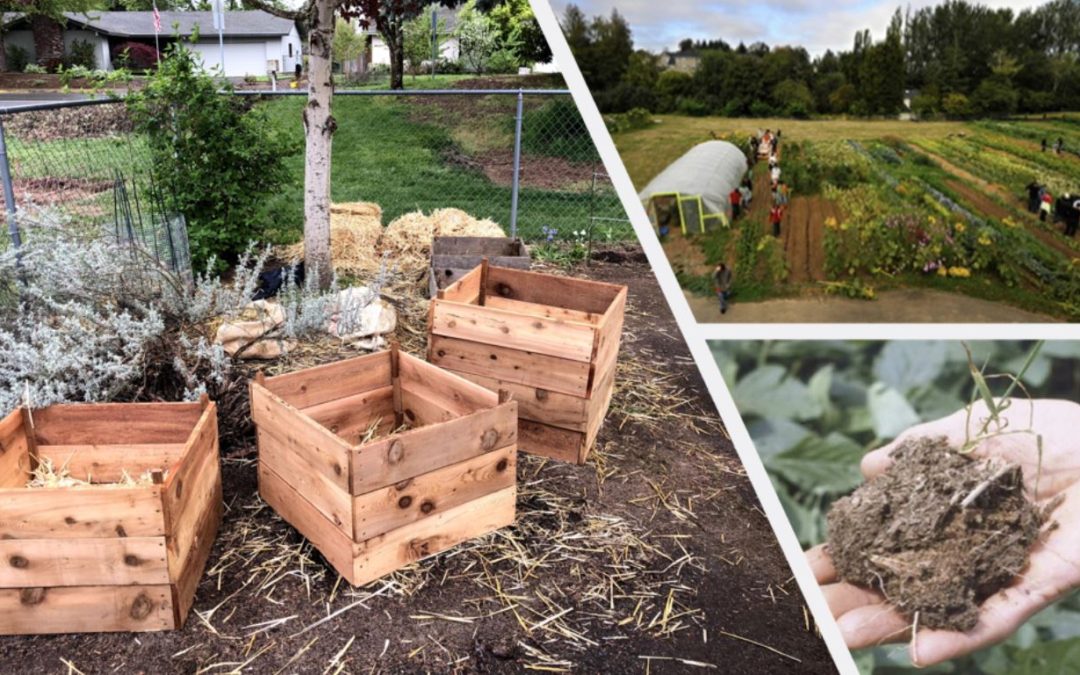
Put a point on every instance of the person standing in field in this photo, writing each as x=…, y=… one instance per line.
x=747, y=194
x=776, y=215
x=735, y=197
x=1046, y=206
x=722, y=278
x=1044, y=144
x=776, y=142
x=774, y=175
x=1059, y=145
x=1034, y=191
x=783, y=194
x=1072, y=217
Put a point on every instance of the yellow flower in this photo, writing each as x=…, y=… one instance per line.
x=959, y=272
x=985, y=240
x=960, y=227
x=830, y=222
x=941, y=271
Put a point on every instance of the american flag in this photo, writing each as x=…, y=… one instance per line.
x=157, y=19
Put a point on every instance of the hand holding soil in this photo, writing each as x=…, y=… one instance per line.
x=865, y=617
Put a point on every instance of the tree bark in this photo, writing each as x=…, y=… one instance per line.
x=395, y=42
x=319, y=127
x=48, y=40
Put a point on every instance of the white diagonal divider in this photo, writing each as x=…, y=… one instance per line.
x=744, y=446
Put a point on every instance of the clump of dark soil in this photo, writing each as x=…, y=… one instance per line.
x=937, y=534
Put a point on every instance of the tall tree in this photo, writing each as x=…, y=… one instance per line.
x=47, y=21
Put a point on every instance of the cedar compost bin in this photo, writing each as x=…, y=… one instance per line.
x=382, y=460
x=108, y=513
x=552, y=342
x=454, y=257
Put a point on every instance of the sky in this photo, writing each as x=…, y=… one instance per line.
x=816, y=25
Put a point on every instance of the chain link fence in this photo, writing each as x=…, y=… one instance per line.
x=522, y=158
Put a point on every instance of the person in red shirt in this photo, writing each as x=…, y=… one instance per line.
x=736, y=200
x=776, y=214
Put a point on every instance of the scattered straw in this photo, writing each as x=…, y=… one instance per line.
x=408, y=239
x=47, y=475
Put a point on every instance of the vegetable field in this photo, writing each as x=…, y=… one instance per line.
x=879, y=206
x=814, y=409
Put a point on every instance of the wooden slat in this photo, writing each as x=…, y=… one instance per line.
x=336, y=547
x=465, y=290
x=14, y=451
x=115, y=423
x=598, y=409
x=318, y=446
x=320, y=384
x=84, y=512
x=608, y=338
x=545, y=311
x=593, y=297
x=185, y=586
x=537, y=438
x=350, y=417
x=117, y=561
x=190, y=490
x=495, y=326
x=425, y=496
x=510, y=365
x=418, y=410
x=419, y=451
x=331, y=500
x=107, y=463
x=541, y=405
x=454, y=393
x=85, y=609
x=379, y=556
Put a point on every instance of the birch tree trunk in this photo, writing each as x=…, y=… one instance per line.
x=319, y=127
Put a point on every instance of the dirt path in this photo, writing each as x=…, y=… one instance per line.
x=803, y=232
x=901, y=306
x=685, y=255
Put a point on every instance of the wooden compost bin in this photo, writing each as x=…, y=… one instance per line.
x=454, y=257
x=107, y=557
x=551, y=341
x=373, y=505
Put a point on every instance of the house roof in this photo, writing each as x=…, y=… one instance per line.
x=255, y=23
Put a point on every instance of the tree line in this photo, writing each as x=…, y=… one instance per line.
x=956, y=59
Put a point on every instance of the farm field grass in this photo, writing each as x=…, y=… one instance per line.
x=886, y=206
x=646, y=152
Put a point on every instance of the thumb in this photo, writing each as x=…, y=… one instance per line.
x=953, y=428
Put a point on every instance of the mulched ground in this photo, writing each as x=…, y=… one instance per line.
x=654, y=557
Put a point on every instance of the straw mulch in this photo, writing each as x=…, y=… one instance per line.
x=358, y=241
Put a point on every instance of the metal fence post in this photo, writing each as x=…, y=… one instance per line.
x=517, y=164
x=9, y=189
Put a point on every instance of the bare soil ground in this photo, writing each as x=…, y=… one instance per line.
x=654, y=557
x=803, y=232
x=913, y=305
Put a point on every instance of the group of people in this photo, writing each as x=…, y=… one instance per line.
x=1065, y=209
x=1059, y=145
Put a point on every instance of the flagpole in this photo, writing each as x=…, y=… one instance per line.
x=157, y=32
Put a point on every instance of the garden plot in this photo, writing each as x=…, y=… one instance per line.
x=648, y=556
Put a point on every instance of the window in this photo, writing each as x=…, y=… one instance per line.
x=290, y=50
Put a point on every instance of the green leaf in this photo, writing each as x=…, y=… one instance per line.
x=890, y=412
x=906, y=365
x=769, y=392
x=821, y=465
x=773, y=436
x=1061, y=657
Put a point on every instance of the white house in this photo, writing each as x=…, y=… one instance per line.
x=378, y=53
x=256, y=42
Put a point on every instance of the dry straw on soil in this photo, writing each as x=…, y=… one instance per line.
x=358, y=241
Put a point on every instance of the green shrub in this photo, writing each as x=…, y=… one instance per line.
x=215, y=159
x=17, y=58
x=503, y=61
x=81, y=55
x=638, y=118
x=556, y=129
x=692, y=107
x=34, y=69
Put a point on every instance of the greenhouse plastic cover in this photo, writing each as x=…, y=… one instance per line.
x=711, y=170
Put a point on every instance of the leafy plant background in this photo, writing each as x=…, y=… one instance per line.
x=814, y=408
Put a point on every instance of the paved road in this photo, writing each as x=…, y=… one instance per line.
x=902, y=306
x=16, y=98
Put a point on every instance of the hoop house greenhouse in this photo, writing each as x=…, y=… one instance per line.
x=695, y=188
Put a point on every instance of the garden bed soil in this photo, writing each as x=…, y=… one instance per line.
x=653, y=555
x=937, y=534
x=803, y=232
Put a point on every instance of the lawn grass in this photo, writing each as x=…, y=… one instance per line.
x=381, y=155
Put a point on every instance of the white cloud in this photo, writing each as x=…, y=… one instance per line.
x=660, y=25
